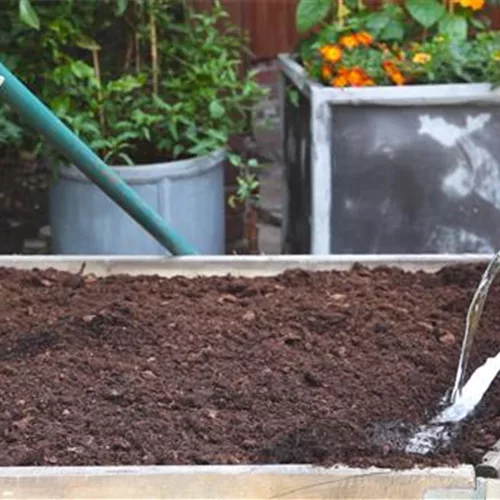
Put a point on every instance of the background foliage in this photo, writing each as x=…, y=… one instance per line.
x=140, y=81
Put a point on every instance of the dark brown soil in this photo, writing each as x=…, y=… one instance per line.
x=306, y=367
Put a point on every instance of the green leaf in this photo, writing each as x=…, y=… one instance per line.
x=377, y=22
x=253, y=163
x=216, y=109
x=311, y=12
x=178, y=150
x=121, y=7
x=28, y=15
x=394, y=31
x=173, y=130
x=426, y=12
x=454, y=27
x=235, y=159
x=60, y=105
x=126, y=158
x=477, y=23
x=87, y=43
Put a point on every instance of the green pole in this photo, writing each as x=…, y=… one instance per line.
x=46, y=123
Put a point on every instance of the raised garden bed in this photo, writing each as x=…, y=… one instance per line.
x=313, y=366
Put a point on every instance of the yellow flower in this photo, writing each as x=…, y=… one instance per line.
x=349, y=41
x=471, y=4
x=332, y=53
x=364, y=38
x=422, y=58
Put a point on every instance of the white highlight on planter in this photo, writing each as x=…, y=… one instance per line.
x=458, y=184
x=449, y=134
x=473, y=391
x=477, y=170
x=444, y=237
x=349, y=204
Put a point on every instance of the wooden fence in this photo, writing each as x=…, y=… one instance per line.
x=271, y=23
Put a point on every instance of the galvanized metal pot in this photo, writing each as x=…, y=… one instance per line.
x=188, y=194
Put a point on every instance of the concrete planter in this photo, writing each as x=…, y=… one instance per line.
x=189, y=194
x=390, y=170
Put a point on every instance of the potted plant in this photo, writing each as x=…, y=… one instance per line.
x=156, y=92
x=390, y=120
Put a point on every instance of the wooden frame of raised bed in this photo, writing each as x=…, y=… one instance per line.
x=235, y=481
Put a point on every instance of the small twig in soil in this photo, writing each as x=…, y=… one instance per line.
x=76, y=280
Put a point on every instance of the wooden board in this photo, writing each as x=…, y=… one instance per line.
x=233, y=482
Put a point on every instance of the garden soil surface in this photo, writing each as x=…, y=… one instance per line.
x=323, y=368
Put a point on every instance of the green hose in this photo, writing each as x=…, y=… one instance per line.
x=24, y=102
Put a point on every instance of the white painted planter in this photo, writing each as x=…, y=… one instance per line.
x=413, y=169
x=294, y=481
x=188, y=194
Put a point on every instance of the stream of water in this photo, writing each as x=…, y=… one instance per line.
x=463, y=399
x=472, y=322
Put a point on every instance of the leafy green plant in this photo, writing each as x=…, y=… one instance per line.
x=247, y=195
x=248, y=180
x=413, y=41
x=155, y=82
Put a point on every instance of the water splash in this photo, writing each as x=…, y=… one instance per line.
x=438, y=431
x=463, y=398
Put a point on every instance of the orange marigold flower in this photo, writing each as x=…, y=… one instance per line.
x=357, y=77
x=332, y=53
x=394, y=73
x=422, y=58
x=476, y=4
x=398, y=78
x=342, y=78
x=471, y=4
x=389, y=66
x=364, y=38
x=349, y=41
x=326, y=72
x=352, y=77
x=340, y=81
